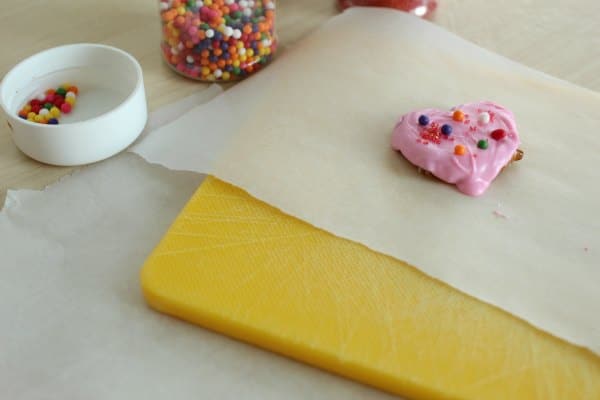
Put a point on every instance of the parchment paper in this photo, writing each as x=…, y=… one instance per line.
x=316, y=145
x=164, y=146
x=74, y=324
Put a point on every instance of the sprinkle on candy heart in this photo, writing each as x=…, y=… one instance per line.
x=48, y=108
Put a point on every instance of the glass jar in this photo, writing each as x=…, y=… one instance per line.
x=421, y=8
x=218, y=40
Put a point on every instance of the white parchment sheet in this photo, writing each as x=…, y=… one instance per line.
x=310, y=135
x=74, y=323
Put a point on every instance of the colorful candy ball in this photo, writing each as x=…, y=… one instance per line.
x=458, y=116
x=218, y=40
x=460, y=150
x=498, y=134
x=66, y=108
x=446, y=129
x=484, y=118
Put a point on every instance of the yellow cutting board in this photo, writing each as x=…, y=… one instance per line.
x=236, y=265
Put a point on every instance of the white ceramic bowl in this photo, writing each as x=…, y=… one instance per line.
x=109, y=115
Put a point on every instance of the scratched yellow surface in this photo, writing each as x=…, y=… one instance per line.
x=238, y=266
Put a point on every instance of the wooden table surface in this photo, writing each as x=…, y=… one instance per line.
x=558, y=37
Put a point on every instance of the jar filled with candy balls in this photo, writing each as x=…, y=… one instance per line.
x=218, y=40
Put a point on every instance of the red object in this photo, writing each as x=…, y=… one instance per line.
x=58, y=101
x=498, y=134
x=421, y=8
x=66, y=108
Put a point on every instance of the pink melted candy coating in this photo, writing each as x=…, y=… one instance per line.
x=472, y=172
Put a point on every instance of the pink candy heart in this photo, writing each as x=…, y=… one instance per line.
x=467, y=146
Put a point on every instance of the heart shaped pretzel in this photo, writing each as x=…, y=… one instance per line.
x=467, y=146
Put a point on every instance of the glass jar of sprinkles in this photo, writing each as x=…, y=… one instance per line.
x=218, y=40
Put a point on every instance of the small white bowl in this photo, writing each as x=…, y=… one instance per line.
x=109, y=115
